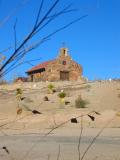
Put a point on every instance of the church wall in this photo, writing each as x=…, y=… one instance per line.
x=62, y=63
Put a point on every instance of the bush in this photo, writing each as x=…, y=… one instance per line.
x=80, y=103
x=62, y=95
x=18, y=93
x=50, y=86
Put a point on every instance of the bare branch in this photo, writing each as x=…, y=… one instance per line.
x=14, y=11
x=58, y=155
x=79, y=142
x=30, y=35
x=21, y=54
x=65, y=122
x=51, y=18
x=15, y=37
x=66, y=26
x=15, y=120
x=48, y=156
x=39, y=25
x=95, y=138
x=39, y=12
x=58, y=126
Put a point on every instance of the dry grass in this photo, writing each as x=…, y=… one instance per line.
x=80, y=103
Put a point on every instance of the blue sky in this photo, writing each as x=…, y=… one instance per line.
x=93, y=42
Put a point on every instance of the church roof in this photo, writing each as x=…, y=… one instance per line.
x=40, y=66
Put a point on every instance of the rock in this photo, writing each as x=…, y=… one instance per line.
x=46, y=98
x=74, y=120
x=54, y=90
x=67, y=102
x=36, y=112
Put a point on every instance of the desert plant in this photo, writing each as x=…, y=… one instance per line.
x=18, y=93
x=80, y=103
x=50, y=88
x=62, y=95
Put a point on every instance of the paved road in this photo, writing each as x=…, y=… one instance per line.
x=39, y=148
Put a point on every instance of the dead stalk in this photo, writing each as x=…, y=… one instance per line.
x=65, y=122
x=80, y=137
x=58, y=155
x=95, y=138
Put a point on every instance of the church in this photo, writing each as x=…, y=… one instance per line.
x=63, y=68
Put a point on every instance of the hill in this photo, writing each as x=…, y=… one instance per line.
x=101, y=96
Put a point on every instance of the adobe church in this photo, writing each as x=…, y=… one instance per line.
x=63, y=68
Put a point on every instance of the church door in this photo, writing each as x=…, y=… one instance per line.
x=64, y=75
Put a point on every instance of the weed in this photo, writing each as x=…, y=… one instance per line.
x=62, y=95
x=50, y=88
x=80, y=103
x=18, y=93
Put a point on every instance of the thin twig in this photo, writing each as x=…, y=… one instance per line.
x=8, y=17
x=95, y=138
x=39, y=12
x=15, y=37
x=37, y=27
x=3, y=132
x=48, y=156
x=51, y=18
x=58, y=155
x=15, y=120
x=80, y=137
x=65, y=122
x=58, y=126
x=30, y=35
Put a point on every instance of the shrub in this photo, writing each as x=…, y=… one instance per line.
x=62, y=95
x=18, y=93
x=50, y=86
x=80, y=103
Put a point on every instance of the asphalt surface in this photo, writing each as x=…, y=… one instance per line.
x=37, y=147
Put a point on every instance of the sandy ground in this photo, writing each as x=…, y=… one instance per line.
x=20, y=132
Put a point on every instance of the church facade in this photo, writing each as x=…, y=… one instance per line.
x=63, y=68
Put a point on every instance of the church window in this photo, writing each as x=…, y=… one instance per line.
x=64, y=62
